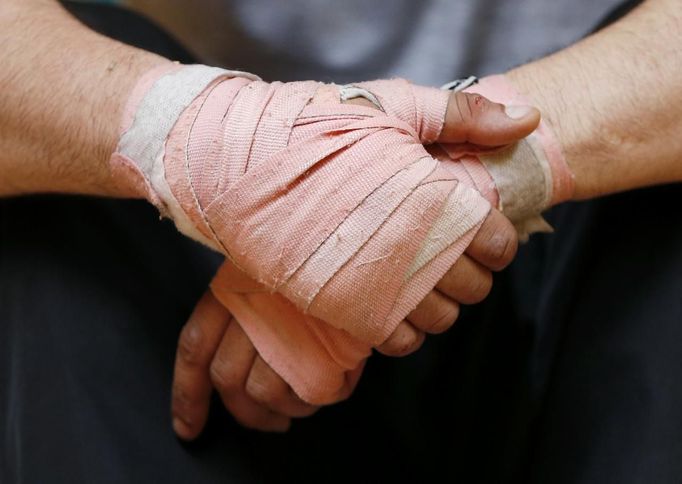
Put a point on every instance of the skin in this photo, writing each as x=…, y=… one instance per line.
x=53, y=138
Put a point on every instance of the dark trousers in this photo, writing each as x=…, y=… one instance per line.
x=570, y=372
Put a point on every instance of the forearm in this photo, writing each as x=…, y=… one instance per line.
x=63, y=91
x=615, y=101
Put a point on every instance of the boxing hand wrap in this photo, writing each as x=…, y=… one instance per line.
x=336, y=208
x=523, y=179
x=314, y=358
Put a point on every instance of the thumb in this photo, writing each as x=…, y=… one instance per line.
x=475, y=119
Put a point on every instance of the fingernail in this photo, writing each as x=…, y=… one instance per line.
x=517, y=112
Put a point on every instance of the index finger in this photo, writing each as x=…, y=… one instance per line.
x=192, y=386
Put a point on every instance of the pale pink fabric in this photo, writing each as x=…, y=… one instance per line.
x=314, y=358
x=285, y=191
x=311, y=355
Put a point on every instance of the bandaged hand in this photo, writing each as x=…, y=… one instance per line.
x=153, y=175
x=214, y=352
x=176, y=163
x=257, y=395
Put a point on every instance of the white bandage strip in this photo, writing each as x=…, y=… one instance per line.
x=523, y=178
x=455, y=221
x=154, y=118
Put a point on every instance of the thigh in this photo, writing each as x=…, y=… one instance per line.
x=612, y=411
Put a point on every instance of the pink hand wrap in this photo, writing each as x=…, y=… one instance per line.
x=335, y=210
x=313, y=357
x=522, y=179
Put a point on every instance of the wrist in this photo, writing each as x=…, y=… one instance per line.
x=151, y=157
x=574, y=135
x=617, y=131
x=64, y=88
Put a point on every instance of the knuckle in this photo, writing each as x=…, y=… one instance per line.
x=224, y=376
x=405, y=344
x=481, y=287
x=444, y=319
x=478, y=104
x=504, y=248
x=183, y=403
x=189, y=345
x=501, y=246
x=262, y=392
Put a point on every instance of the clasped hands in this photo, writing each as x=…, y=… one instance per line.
x=216, y=354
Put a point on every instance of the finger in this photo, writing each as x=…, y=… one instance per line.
x=232, y=362
x=192, y=387
x=229, y=371
x=495, y=243
x=266, y=387
x=253, y=415
x=467, y=282
x=475, y=119
x=434, y=314
x=404, y=340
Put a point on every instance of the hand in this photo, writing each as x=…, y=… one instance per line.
x=473, y=124
x=469, y=281
x=215, y=353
